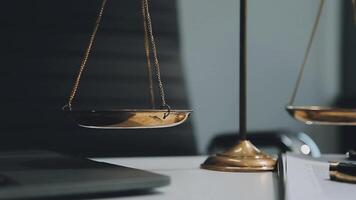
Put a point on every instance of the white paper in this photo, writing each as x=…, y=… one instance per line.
x=309, y=179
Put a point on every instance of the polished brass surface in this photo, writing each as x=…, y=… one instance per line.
x=128, y=118
x=243, y=157
x=338, y=176
x=323, y=115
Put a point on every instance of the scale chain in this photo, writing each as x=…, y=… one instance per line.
x=147, y=17
x=307, y=52
x=148, y=59
x=86, y=56
x=148, y=38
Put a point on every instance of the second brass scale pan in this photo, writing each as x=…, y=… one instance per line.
x=128, y=118
x=320, y=115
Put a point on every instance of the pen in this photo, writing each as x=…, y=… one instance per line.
x=338, y=176
x=344, y=172
x=346, y=168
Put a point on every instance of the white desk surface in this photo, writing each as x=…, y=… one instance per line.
x=188, y=181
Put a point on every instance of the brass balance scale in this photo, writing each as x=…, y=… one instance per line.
x=128, y=118
x=244, y=156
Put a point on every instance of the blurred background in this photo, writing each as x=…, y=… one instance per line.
x=42, y=43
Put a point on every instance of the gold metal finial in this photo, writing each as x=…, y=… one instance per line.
x=243, y=157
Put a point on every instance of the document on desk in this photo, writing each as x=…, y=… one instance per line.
x=309, y=179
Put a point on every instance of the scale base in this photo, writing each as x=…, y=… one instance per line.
x=243, y=157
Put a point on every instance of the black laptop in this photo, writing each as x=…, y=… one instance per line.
x=42, y=174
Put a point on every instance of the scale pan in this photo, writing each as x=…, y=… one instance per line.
x=128, y=118
x=323, y=115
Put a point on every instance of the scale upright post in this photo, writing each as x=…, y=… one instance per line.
x=244, y=156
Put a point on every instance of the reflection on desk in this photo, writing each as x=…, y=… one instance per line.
x=188, y=181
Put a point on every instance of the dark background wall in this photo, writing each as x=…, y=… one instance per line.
x=42, y=43
x=348, y=84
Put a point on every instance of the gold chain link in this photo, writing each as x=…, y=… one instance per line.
x=148, y=38
x=307, y=52
x=148, y=59
x=147, y=17
x=86, y=56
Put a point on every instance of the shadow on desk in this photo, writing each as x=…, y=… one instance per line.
x=139, y=193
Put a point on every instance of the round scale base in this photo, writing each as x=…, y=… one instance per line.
x=244, y=157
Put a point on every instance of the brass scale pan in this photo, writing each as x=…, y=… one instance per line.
x=320, y=115
x=127, y=118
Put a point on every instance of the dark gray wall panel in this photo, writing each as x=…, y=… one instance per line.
x=42, y=43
